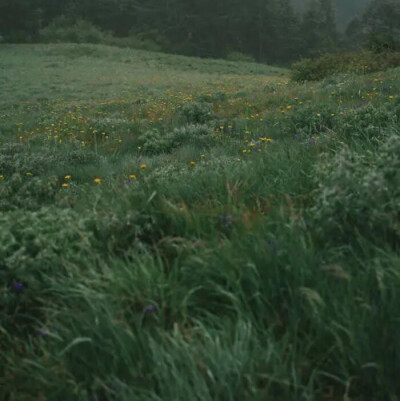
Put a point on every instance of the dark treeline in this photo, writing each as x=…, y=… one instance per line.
x=273, y=31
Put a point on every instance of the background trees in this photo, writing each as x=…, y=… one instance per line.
x=273, y=31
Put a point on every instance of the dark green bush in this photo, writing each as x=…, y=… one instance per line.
x=63, y=30
x=331, y=64
x=197, y=112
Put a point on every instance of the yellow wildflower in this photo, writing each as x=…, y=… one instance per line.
x=132, y=177
x=192, y=163
x=1, y=176
x=65, y=185
x=143, y=166
x=67, y=177
x=97, y=180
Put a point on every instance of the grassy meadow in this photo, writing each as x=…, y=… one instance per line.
x=178, y=229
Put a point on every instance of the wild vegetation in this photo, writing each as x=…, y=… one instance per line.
x=177, y=228
x=270, y=31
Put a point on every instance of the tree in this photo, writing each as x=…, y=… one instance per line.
x=381, y=23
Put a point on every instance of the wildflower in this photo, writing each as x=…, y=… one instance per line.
x=132, y=177
x=288, y=107
x=67, y=177
x=65, y=185
x=1, y=176
x=203, y=156
x=192, y=163
x=252, y=145
x=29, y=174
x=318, y=115
x=244, y=151
x=97, y=180
x=391, y=97
x=139, y=148
x=17, y=287
x=150, y=309
x=143, y=166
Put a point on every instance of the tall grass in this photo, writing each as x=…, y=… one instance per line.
x=227, y=237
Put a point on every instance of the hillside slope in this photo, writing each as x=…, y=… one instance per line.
x=85, y=71
x=177, y=229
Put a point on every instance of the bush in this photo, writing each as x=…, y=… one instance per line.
x=27, y=192
x=330, y=64
x=197, y=112
x=155, y=142
x=367, y=122
x=360, y=194
x=63, y=30
x=36, y=249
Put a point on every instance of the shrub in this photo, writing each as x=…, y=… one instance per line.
x=330, y=64
x=367, y=122
x=63, y=30
x=360, y=193
x=197, y=112
x=36, y=249
x=18, y=158
x=26, y=192
x=156, y=142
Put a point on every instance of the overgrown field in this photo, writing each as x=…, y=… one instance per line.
x=176, y=229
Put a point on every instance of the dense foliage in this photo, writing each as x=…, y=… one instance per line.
x=179, y=229
x=275, y=31
x=327, y=65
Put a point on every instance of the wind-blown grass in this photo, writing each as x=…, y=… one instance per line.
x=182, y=229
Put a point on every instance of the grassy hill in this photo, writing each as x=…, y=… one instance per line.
x=184, y=229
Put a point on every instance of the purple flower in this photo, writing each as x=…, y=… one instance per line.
x=150, y=309
x=273, y=245
x=17, y=287
x=311, y=141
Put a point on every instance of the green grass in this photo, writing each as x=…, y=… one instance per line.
x=255, y=257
